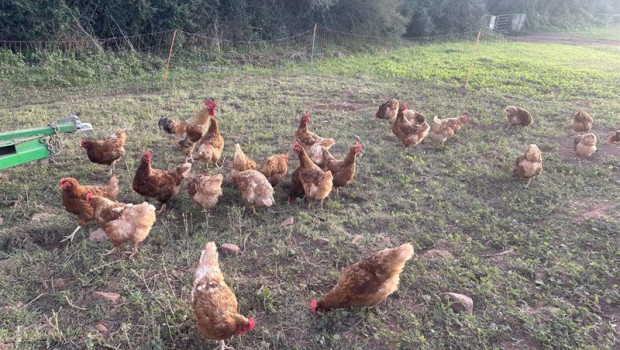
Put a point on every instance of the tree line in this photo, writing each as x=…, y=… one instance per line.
x=267, y=19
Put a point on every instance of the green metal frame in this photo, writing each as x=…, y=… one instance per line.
x=23, y=146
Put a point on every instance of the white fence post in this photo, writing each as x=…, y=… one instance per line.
x=312, y=53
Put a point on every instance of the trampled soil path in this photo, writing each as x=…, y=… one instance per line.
x=564, y=38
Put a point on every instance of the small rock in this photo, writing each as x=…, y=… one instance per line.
x=437, y=252
x=288, y=222
x=59, y=283
x=458, y=302
x=583, y=103
x=1, y=220
x=97, y=235
x=541, y=309
x=41, y=217
x=321, y=241
x=387, y=240
x=5, y=262
x=113, y=297
x=5, y=346
x=539, y=278
x=103, y=329
x=229, y=248
x=357, y=240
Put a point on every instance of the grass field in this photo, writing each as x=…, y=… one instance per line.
x=541, y=264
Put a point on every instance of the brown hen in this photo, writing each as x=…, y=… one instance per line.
x=317, y=183
x=410, y=126
x=388, y=110
x=311, y=142
x=584, y=145
x=343, y=170
x=443, y=129
x=368, y=282
x=517, y=116
x=122, y=222
x=107, y=151
x=159, y=184
x=205, y=189
x=582, y=121
x=214, y=303
x=529, y=164
x=187, y=132
x=274, y=168
x=210, y=145
x=614, y=138
x=74, y=199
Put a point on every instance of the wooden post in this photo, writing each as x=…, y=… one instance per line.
x=473, y=58
x=174, y=36
x=312, y=53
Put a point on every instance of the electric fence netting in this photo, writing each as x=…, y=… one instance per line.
x=43, y=71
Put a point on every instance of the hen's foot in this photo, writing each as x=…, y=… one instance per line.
x=163, y=206
x=110, y=251
x=72, y=235
x=223, y=346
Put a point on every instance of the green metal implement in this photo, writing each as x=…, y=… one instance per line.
x=23, y=146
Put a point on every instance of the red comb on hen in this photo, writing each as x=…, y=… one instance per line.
x=250, y=326
x=89, y=196
x=313, y=304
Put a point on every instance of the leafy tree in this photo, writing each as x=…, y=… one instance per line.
x=443, y=16
x=378, y=17
x=31, y=19
x=268, y=19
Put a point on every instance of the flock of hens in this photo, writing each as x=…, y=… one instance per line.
x=365, y=283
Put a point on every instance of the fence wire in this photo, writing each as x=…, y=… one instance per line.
x=42, y=71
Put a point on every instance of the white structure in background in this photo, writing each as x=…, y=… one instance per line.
x=507, y=23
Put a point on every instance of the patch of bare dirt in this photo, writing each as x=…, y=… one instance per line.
x=343, y=106
x=520, y=344
x=604, y=148
x=600, y=210
x=595, y=213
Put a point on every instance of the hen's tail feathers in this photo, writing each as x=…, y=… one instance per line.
x=184, y=170
x=120, y=135
x=164, y=123
x=238, y=152
x=208, y=260
x=219, y=178
x=146, y=212
x=404, y=252
x=327, y=143
x=112, y=187
x=208, y=264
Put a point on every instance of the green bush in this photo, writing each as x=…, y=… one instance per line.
x=254, y=19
